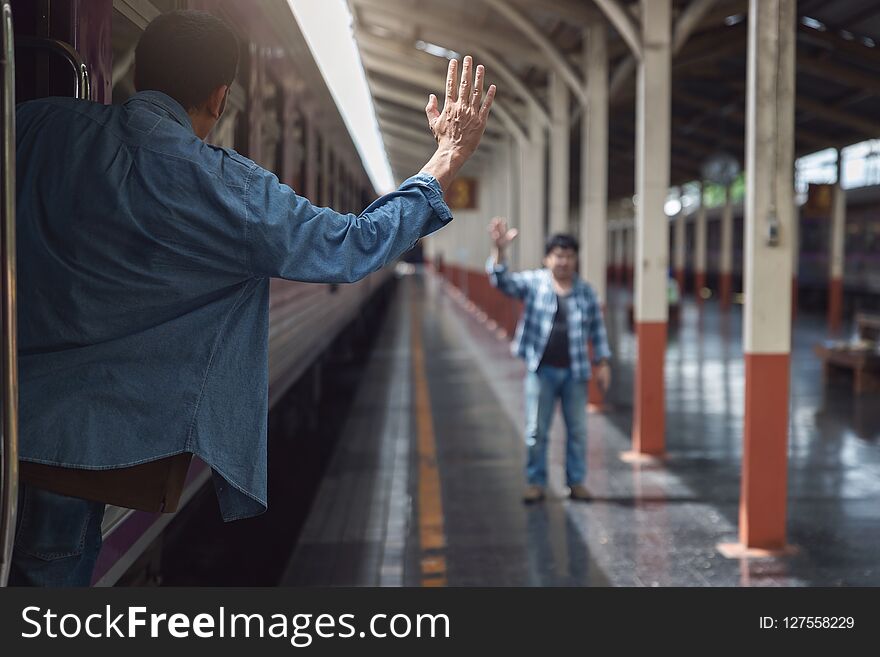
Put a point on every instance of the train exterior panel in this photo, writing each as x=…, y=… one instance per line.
x=279, y=113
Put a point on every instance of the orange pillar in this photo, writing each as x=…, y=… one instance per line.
x=835, y=305
x=765, y=452
x=649, y=411
x=725, y=290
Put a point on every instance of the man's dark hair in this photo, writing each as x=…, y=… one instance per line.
x=186, y=54
x=561, y=241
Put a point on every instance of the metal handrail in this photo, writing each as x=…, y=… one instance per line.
x=81, y=84
x=9, y=371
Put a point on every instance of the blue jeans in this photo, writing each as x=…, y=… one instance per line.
x=543, y=388
x=57, y=539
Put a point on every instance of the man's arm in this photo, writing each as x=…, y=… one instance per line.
x=599, y=340
x=288, y=237
x=512, y=284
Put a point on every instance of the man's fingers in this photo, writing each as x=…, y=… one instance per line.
x=477, y=95
x=464, y=88
x=487, y=104
x=451, y=82
x=432, y=111
x=511, y=234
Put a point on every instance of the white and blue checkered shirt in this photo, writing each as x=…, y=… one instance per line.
x=535, y=289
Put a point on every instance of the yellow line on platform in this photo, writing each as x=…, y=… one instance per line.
x=431, y=535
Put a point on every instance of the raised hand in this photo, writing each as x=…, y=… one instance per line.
x=459, y=127
x=499, y=232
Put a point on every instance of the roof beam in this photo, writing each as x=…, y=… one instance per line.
x=430, y=25
x=869, y=127
x=833, y=41
x=624, y=23
x=522, y=22
x=493, y=63
x=823, y=68
x=684, y=26
x=575, y=13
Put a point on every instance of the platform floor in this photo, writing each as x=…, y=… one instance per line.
x=425, y=485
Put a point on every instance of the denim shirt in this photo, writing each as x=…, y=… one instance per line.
x=535, y=289
x=144, y=258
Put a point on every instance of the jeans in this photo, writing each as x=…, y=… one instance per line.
x=542, y=389
x=57, y=539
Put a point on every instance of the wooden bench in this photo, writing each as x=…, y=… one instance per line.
x=862, y=359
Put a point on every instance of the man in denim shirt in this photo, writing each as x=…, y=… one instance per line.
x=144, y=262
x=561, y=313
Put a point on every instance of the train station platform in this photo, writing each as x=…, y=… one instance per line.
x=424, y=487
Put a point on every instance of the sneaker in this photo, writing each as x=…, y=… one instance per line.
x=579, y=492
x=534, y=493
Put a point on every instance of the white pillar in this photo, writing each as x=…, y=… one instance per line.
x=768, y=262
x=629, y=234
x=311, y=191
x=680, y=233
x=838, y=243
x=560, y=165
x=594, y=161
x=515, y=217
x=325, y=173
x=700, y=249
x=726, y=259
x=652, y=227
x=532, y=196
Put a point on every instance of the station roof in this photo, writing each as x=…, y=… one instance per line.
x=838, y=73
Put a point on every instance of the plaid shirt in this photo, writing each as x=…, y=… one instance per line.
x=535, y=289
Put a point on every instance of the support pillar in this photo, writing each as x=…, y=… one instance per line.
x=700, y=250
x=594, y=171
x=532, y=195
x=725, y=282
x=515, y=218
x=680, y=250
x=326, y=169
x=768, y=262
x=560, y=161
x=795, y=253
x=652, y=228
x=256, y=80
x=838, y=237
x=311, y=182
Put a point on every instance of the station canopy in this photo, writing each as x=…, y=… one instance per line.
x=404, y=45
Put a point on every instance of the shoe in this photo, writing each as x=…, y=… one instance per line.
x=580, y=493
x=534, y=493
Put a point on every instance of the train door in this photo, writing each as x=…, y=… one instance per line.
x=46, y=42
